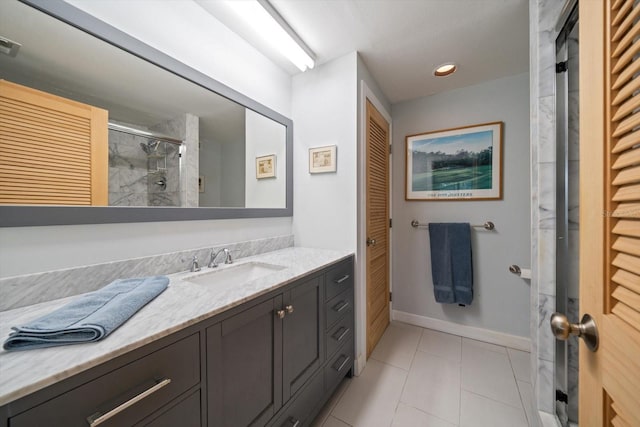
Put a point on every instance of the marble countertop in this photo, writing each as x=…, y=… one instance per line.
x=181, y=305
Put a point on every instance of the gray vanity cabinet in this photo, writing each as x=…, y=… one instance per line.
x=244, y=367
x=271, y=361
x=258, y=358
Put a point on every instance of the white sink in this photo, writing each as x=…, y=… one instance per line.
x=233, y=274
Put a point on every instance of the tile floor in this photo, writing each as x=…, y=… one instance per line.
x=424, y=378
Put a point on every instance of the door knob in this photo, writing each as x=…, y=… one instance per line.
x=280, y=314
x=586, y=329
x=371, y=242
x=289, y=308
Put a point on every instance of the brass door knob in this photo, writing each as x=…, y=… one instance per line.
x=586, y=329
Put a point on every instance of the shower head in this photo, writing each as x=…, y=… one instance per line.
x=150, y=147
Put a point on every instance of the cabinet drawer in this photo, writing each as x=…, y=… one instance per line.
x=339, y=279
x=305, y=402
x=184, y=414
x=146, y=384
x=338, y=307
x=339, y=334
x=338, y=366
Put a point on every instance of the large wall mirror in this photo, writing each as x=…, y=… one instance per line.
x=97, y=127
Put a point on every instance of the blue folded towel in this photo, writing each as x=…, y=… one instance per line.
x=451, y=266
x=89, y=318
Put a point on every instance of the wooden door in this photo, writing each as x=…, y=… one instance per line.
x=53, y=151
x=377, y=205
x=610, y=210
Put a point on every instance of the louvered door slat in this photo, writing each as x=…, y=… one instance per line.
x=626, y=41
x=52, y=150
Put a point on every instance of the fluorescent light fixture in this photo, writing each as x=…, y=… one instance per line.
x=266, y=22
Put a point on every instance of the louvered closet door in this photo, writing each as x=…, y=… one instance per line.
x=53, y=151
x=610, y=210
x=377, y=226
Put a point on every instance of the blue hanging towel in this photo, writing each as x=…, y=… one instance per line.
x=451, y=267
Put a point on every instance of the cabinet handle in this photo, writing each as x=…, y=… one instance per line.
x=98, y=418
x=291, y=422
x=339, y=307
x=342, y=279
x=344, y=330
x=281, y=314
x=344, y=362
x=289, y=309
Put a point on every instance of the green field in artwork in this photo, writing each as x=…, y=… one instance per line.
x=454, y=178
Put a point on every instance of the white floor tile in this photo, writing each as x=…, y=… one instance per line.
x=488, y=373
x=441, y=344
x=334, y=422
x=479, y=411
x=521, y=364
x=406, y=416
x=467, y=342
x=433, y=386
x=371, y=399
x=398, y=345
x=526, y=395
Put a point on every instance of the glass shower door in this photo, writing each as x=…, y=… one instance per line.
x=567, y=219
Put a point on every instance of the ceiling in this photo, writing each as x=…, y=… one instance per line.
x=402, y=41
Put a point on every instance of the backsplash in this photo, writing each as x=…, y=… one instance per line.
x=20, y=291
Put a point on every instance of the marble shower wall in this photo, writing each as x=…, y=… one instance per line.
x=127, y=170
x=543, y=15
x=187, y=129
x=138, y=178
x=20, y=291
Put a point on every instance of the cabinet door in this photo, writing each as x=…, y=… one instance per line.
x=244, y=367
x=303, y=337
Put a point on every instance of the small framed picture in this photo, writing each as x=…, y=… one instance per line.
x=201, y=183
x=266, y=166
x=322, y=159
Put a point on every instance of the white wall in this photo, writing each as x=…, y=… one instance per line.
x=185, y=31
x=264, y=137
x=501, y=300
x=325, y=113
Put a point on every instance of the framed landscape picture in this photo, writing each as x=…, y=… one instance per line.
x=455, y=164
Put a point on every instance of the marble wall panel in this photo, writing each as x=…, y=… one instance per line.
x=20, y=291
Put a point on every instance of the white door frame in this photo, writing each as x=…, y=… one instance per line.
x=361, y=248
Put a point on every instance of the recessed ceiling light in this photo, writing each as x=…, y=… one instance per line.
x=445, y=69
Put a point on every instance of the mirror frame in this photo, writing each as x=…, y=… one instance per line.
x=27, y=215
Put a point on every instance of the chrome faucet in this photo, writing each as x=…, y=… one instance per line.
x=214, y=256
x=194, y=264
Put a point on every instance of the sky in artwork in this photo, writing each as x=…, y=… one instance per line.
x=472, y=142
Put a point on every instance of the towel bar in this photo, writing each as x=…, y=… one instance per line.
x=487, y=225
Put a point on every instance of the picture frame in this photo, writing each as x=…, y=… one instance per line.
x=323, y=159
x=266, y=166
x=463, y=163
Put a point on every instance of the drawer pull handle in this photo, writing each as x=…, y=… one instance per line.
x=344, y=333
x=344, y=362
x=342, y=279
x=98, y=418
x=341, y=306
x=291, y=422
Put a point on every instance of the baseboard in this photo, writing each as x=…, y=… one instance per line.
x=486, y=335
